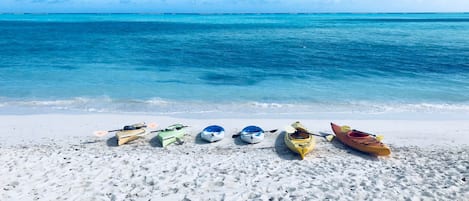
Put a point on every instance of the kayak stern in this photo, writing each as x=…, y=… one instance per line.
x=126, y=136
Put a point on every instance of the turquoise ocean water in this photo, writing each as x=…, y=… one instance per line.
x=273, y=64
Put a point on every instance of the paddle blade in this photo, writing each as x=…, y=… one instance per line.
x=329, y=138
x=100, y=133
x=272, y=131
x=289, y=129
x=379, y=137
x=298, y=125
x=152, y=125
x=345, y=129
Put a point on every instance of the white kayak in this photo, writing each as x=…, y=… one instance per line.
x=213, y=133
x=252, y=134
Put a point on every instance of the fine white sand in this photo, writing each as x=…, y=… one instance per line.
x=56, y=157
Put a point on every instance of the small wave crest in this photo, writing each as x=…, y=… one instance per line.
x=171, y=107
x=54, y=103
x=268, y=105
x=157, y=101
x=430, y=107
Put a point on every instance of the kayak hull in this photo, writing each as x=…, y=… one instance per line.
x=168, y=137
x=252, y=134
x=213, y=133
x=300, y=144
x=252, y=138
x=363, y=143
x=126, y=136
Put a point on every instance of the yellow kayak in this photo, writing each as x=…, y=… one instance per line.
x=299, y=140
x=125, y=136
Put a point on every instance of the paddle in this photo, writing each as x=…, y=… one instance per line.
x=130, y=127
x=347, y=128
x=171, y=128
x=378, y=137
x=328, y=137
x=238, y=134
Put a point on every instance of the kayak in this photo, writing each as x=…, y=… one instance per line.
x=171, y=134
x=299, y=140
x=361, y=141
x=126, y=136
x=130, y=133
x=252, y=134
x=213, y=133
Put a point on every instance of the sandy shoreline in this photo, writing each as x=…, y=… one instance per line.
x=430, y=161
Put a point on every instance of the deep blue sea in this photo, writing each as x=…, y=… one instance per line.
x=234, y=63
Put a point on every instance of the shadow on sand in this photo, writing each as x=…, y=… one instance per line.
x=112, y=142
x=239, y=142
x=198, y=139
x=154, y=142
x=339, y=145
x=282, y=150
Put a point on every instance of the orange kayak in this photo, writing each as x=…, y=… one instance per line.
x=360, y=140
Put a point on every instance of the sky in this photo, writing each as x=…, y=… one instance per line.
x=230, y=6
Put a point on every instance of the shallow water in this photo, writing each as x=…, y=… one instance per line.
x=272, y=63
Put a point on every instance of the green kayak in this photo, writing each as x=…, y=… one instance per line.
x=171, y=134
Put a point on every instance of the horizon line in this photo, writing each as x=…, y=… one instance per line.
x=228, y=13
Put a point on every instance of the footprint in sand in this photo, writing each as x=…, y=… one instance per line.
x=186, y=184
x=219, y=183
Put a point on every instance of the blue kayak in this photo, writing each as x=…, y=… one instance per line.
x=252, y=134
x=213, y=133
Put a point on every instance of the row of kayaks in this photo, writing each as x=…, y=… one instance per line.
x=297, y=138
x=167, y=136
x=301, y=141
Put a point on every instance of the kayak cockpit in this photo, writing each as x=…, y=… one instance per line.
x=299, y=135
x=357, y=134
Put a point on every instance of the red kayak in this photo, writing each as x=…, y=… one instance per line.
x=361, y=141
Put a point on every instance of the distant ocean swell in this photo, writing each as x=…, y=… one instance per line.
x=271, y=64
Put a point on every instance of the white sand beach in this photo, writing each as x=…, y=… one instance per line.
x=56, y=157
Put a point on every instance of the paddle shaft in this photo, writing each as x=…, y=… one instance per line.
x=361, y=132
x=144, y=126
x=375, y=136
x=137, y=127
x=167, y=129
x=319, y=135
x=329, y=137
x=271, y=131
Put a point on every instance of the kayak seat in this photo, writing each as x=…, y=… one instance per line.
x=299, y=135
x=127, y=128
x=357, y=134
